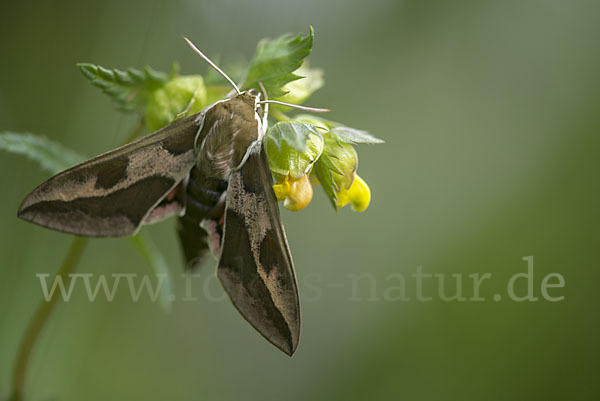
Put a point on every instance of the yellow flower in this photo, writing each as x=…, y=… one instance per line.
x=358, y=195
x=295, y=193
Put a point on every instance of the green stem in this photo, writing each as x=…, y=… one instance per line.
x=41, y=316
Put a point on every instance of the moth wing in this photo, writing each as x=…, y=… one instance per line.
x=255, y=266
x=112, y=194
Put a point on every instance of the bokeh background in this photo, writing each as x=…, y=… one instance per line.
x=489, y=110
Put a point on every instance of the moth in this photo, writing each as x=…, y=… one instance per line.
x=209, y=169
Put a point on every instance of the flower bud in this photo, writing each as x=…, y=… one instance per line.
x=344, y=158
x=284, y=159
x=175, y=96
x=296, y=193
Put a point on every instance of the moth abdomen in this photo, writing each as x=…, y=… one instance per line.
x=197, y=187
x=203, y=193
x=202, y=223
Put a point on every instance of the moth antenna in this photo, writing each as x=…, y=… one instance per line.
x=213, y=65
x=296, y=106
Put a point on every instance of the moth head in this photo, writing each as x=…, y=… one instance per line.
x=252, y=98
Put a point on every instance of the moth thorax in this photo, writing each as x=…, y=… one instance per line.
x=231, y=128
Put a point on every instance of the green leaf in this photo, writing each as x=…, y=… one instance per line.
x=285, y=160
x=50, y=155
x=294, y=133
x=342, y=133
x=354, y=136
x=298, y=91
x=126, y=88
x=159, y=267
x=276, y=60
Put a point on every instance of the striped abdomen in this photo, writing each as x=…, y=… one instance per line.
x=201, y=227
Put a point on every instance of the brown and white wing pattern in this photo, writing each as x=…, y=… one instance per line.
x=255, y=265
x=114, y=193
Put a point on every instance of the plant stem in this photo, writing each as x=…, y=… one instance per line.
x=42, y=314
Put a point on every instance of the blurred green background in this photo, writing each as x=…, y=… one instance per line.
x=489, y=110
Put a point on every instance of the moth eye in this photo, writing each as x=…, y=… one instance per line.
x=253, y=92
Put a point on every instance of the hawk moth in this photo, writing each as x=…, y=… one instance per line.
x=209, y=169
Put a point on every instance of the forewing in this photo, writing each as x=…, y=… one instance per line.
x=255, y=266
x=112, y=194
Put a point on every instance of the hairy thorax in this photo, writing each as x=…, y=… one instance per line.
x=231, y=128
